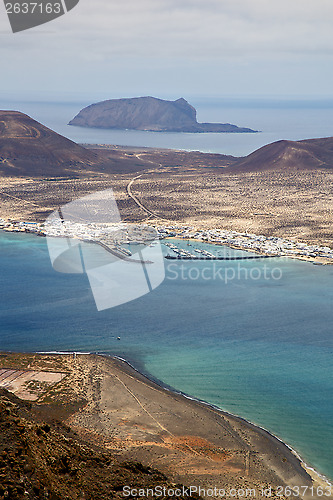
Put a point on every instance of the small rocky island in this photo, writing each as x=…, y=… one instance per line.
x=149, y=113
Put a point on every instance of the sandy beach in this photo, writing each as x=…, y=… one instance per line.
x=111, y=405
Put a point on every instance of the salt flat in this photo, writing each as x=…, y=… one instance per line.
x=28, y=384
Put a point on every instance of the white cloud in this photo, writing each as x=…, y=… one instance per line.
x=106, y=34
x=192, y=28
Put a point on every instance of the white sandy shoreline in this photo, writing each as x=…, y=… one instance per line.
x=318, y=478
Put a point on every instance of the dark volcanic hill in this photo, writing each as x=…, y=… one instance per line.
x=310, y=153
x=148, y=113
x=29, y=148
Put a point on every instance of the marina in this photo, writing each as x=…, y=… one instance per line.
x=120, y=236
x=213, y=257
x=204, y=254
x=259, y=245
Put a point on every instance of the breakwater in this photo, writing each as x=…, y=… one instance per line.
x=206, y=257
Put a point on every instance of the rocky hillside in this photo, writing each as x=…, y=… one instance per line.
x=148, y=113
x=40, y=460
x=28, y=148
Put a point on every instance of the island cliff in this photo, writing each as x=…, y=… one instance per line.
x=148, y=113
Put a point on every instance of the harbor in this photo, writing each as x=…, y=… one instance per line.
x=260, y=246
x=194, y=257
x=123, y=236
x=203, y=254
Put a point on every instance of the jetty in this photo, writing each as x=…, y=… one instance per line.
x=206, y=257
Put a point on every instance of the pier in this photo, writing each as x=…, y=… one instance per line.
x=204, y=257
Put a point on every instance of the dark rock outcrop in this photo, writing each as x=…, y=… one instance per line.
x=148, y=113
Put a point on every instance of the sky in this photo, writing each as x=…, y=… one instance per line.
x=173, y=48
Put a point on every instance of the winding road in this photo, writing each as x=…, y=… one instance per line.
x=135, y=199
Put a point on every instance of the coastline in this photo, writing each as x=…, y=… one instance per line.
x=278, y=461
x=316, y=476
x=314, y=259
x=319, y=259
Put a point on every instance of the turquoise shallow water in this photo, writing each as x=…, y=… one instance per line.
x=261, y=348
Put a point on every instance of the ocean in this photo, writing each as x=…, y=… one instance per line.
x=257, y=347
x=276, y=118
x=260, y=348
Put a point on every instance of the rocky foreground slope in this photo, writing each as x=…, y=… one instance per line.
x=40, y=460
x=105, y=426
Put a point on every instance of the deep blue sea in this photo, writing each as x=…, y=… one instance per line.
x=276, y=118
x=260, y=348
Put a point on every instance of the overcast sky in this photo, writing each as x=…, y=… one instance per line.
x=173, y=48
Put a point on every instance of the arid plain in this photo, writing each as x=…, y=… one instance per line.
x=283, y=189
x=190, y=188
